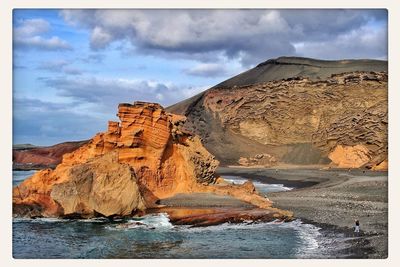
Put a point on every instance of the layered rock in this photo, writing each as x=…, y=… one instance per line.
x=137, y=161
x=296, y=120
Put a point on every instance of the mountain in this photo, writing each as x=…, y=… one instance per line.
x=27, y=156
x=296, y=111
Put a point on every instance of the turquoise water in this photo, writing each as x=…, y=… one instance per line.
x=156, y=237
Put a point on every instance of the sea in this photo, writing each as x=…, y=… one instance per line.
x=157, y=238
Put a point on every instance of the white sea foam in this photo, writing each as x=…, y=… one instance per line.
x=309, y=234
x=94, y=220
x=159, y=221
x=262, y=187
x=39, y=220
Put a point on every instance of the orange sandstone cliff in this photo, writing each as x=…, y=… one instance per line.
x=127, y=169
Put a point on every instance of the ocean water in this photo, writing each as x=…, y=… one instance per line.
x=156, y=237
x=262, y=188
x=20, y=176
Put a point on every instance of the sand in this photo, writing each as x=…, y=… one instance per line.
x=333, y=199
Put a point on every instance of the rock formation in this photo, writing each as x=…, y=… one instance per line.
x=350, y=156
x=298, y=120
x=137, y=161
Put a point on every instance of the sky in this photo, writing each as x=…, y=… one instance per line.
x=71, y=68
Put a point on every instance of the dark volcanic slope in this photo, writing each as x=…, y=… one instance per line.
x=271, y=110
x=289, y=67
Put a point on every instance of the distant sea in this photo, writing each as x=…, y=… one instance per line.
x=156, y=237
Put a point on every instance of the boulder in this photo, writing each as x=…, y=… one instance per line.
x=101, y=186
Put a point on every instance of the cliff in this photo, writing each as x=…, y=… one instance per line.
x=260, y=117
x=138, y=161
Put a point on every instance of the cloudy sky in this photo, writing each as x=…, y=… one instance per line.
x=72, y=67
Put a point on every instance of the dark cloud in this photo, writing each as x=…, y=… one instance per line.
x=19, y=67
x=249, y=36
x=46, y=123
x=59, y=66
x=107, y=93
x=93, y=58
x=55, y=65
x=27, y=35
x=92, y=101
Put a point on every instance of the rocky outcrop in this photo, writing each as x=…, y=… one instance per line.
x=297, y=120
x=28, y=157
x=102, y=185
x=382, y=166
x=350, y=156
x=363, y=133
x=141, y=159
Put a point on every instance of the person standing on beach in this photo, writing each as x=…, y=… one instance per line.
x=357, y=227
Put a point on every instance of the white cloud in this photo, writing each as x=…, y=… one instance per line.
x=31, y=27
x=207, y=70
x=358, y=43
x=59, y=66
x=99, y=38
x=28, y=35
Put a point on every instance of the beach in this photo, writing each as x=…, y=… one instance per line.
x=332, y=199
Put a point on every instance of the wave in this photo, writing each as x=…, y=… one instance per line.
x=39, y=220
x=276, y=224
x=262, y=187
x=159, y=221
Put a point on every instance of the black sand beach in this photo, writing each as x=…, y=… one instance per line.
x=332, y=199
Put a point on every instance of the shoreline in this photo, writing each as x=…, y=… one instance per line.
x=331, y=199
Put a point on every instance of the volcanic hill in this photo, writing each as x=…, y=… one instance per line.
x=295, y=111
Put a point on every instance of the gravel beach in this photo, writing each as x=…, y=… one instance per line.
x=332, y=199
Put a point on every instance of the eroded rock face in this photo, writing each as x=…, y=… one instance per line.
x=350, y=156
x=296, y=120
x=144, y=157
x=102, y=185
